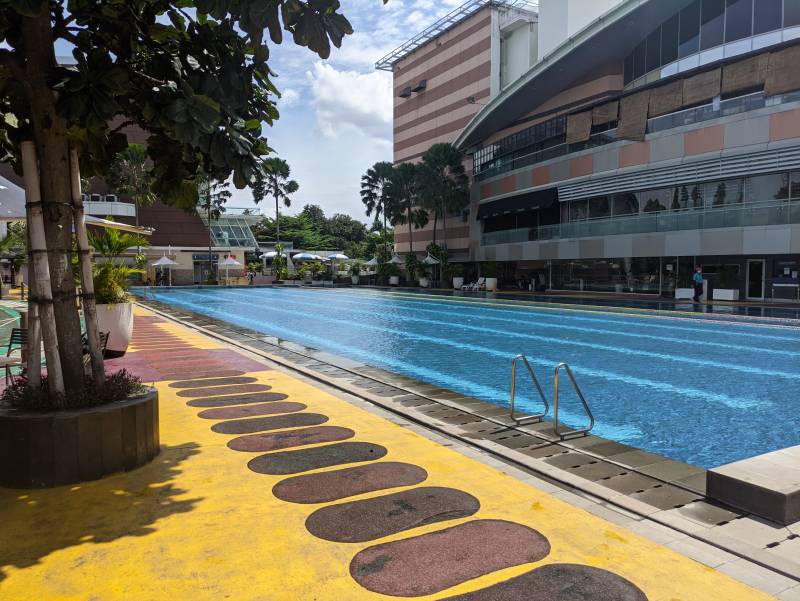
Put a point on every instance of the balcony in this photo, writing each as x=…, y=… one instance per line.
x=747, y=215
x=107, y=205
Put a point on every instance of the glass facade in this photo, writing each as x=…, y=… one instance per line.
x=706, y=24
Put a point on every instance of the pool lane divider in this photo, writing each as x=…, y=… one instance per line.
x=409, y=567
x=320, y=457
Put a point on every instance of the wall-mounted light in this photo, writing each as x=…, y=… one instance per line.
x=421, y=86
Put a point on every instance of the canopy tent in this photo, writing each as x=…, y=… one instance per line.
x=396, y=260
x=431, y=260
x=165, y=261
x=229, y=262
x=373, y=262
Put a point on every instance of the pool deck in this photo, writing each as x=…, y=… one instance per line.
x=275, y=483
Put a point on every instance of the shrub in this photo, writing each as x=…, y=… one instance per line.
x=118, y=386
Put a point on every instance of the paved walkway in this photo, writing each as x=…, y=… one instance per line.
x=269, y=488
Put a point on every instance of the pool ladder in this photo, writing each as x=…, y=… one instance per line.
x=532, y=419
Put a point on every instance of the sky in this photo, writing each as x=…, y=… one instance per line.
x=336, y=115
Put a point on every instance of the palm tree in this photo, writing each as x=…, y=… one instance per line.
x=375, y=193
x=403, y=192
x=111, y=244
x=129, y=174
x=212, y=196
x=277, y=184
x=444, y=185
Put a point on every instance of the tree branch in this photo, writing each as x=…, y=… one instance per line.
x=11, y=61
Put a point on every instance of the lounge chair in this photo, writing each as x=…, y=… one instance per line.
x=476, y=286
x=17, y=340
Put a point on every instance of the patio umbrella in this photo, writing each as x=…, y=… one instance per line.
x=305, y=257
x=373, y=262
x=271, y=255
x=336, y=257
x=431, y=260
x=229, y=262
x=165, y=261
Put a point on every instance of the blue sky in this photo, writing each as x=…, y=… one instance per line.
x=336, y=115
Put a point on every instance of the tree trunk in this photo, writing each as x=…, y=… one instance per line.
x=210, y=243
x=435, y=225
x=52, y=148
x=43, y=324
x=444, y=226
x=87, y=280
x=410, y=235
x=277, y=220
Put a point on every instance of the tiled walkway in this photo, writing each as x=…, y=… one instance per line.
x=268, y=488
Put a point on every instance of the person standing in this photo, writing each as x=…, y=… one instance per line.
x=698, y=280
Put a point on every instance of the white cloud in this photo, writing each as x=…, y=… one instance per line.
x=289, y=96
x=348, y=100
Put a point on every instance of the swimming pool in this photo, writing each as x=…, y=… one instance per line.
x=704, y=391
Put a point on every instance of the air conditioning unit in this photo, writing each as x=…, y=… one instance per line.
x=112, y=198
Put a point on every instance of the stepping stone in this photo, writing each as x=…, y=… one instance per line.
x=433, y=562
x=263, y=424
x=237, y=399
x=305, y=460
x=213, y=382
x=559, y=582
x=348, y=482
x=259, y=443
x=251, y=410
x=371, y=519
x=220, y=390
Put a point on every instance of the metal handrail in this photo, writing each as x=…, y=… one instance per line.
x=566, y=433
x=530, y=419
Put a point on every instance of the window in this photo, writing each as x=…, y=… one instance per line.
x=795, y=185
x=578, y=210
x=639, y=60
x=767, y=15
x=669, y=40
x=712, y=27
x=720, y=194
x=625, y=204
x=629, y=69
x=657, y=200
x=690, y=30
x=599, y=208
x=654, y=50
x=791, y=13
x=738, y=19
x=763, y=188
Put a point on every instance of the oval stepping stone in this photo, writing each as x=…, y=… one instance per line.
x=219, y=390
x=237, y=399
x=560, y=582
x=348, y=482
x=361, y=521
x=305, y=460
x=208, y=374
x=251, y=410
x=433, y=562
x=213, y=382
x=292, y=438
x=262, y=424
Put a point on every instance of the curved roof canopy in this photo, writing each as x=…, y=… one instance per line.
x=609, y=38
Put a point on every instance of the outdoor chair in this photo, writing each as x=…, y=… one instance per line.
x=18, y=339
x=87, y=357
x=479, y=285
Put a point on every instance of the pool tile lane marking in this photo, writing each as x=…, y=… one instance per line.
x=261, y=443
x=442, y=559
x=305, y=460
x=244, y=411
x=336, y=485
x=264, y=424
x=371, y=519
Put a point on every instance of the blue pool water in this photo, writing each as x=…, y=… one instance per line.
x=703, y=391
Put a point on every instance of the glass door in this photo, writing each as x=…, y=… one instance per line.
x=755, y=279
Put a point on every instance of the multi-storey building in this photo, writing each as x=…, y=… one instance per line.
x=648, y=137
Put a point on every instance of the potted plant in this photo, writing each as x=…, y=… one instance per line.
x=684, y=290
x=457, y=273
x=279, y=268
x=413, y=268
x=424, y=281
x=112, y=278
x=489, y=271
x=317, y=271
x=394, y=274
x=726, y=290
x=355, y=272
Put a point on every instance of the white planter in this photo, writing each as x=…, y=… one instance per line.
x=458, y=283
x=317, y=282
x=394, y=280
x=117, y=321
x=354, y=279
x=491, y=284
x=726, y=294
x=424, y=283
x=684, y=293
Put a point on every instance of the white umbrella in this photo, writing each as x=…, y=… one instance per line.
x=305, y=257
x=271, y=255
x=373, y=262
x=165, y=261
x=339, y=257
x=396, y=260
x=229, y=262
x=430, y=260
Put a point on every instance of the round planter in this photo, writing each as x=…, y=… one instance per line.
x=424, y=282
x=394, y=280
x=39, y=450
x=458, y=283
x=491, y=284
x=354, y=279
x=117, y=320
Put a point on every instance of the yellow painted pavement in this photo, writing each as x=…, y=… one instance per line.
x=197, y=524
